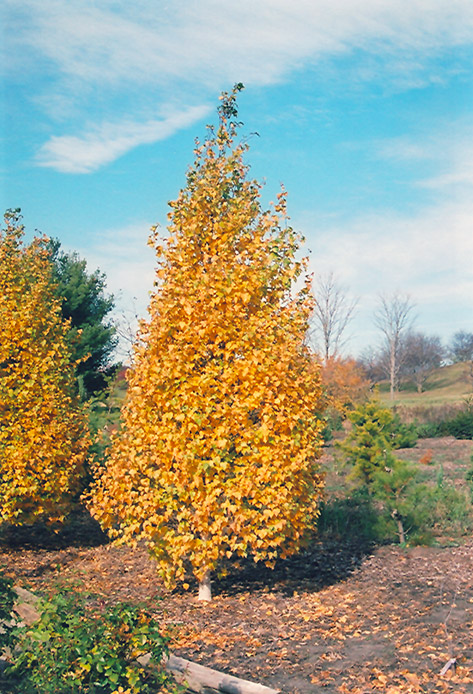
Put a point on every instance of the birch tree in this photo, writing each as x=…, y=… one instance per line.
x=216, y=457
x=394, y=318
x=43, y=432
x=333, y=311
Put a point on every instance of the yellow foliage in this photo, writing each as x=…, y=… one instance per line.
x=345, y=383
x=43, y=436
x=217, y=452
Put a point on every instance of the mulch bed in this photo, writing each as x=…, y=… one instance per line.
x=338, y=618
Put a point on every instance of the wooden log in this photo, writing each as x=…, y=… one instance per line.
x=205, y=680
x=198, y=678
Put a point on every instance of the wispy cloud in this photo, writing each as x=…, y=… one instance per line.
x=457, y=171
x=104, y=144
x=182, y=52
x=403, y=149
x=157, y=41
x=427, y=257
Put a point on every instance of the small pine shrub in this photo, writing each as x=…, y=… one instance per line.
x=368, y=446
x=403, y=435
x=429, y=430
x=404, y=507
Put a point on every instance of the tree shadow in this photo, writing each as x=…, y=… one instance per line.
x=78, y=530
x=322, y=564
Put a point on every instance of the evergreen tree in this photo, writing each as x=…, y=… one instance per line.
x=85, y=305
x=368, y=447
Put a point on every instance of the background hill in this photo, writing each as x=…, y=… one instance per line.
x=448, y=385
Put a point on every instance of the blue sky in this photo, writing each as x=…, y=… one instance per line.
x=363, y=110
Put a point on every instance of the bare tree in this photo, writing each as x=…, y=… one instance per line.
x=393, y=317
x=373, y=364
x=422, y=354
x=333, y=312
x=127, y=322
x=461, y=349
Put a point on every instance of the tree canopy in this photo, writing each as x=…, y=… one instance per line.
x=86, y=307
x=461, y=348
x=43, y=432
x=217, y=452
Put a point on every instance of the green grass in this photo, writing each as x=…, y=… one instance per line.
x=448, y=385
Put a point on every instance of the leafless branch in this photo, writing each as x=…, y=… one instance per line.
x=332, y=314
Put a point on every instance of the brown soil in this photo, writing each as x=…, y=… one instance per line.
x=337, y=618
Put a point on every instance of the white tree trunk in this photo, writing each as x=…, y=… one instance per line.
x=205, y=589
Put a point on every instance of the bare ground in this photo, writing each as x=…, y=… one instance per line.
x=338, y=618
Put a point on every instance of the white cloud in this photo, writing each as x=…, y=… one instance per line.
x=153, y=42
x=428, y=256
x=104, y=144
x=461, y=175
x=127, y=261
x=147, y=42
x=195, y=47
x=403, y=149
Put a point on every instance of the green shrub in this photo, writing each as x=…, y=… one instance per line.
x=70, y=651
x=461, y=426
x=402, y=435
x=429, y=430
x=7, y=602
x=376, y=431
x=451, y=510
x=404, y=507
x=351, y=518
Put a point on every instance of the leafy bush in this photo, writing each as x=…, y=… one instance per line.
x=7, y=602
x=461, y=426
x=350, y=518
x=69, y=651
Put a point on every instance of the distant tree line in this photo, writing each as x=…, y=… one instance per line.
x=409, y=355
x=404, y=354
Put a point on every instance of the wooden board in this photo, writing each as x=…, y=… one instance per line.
x=198, y=678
